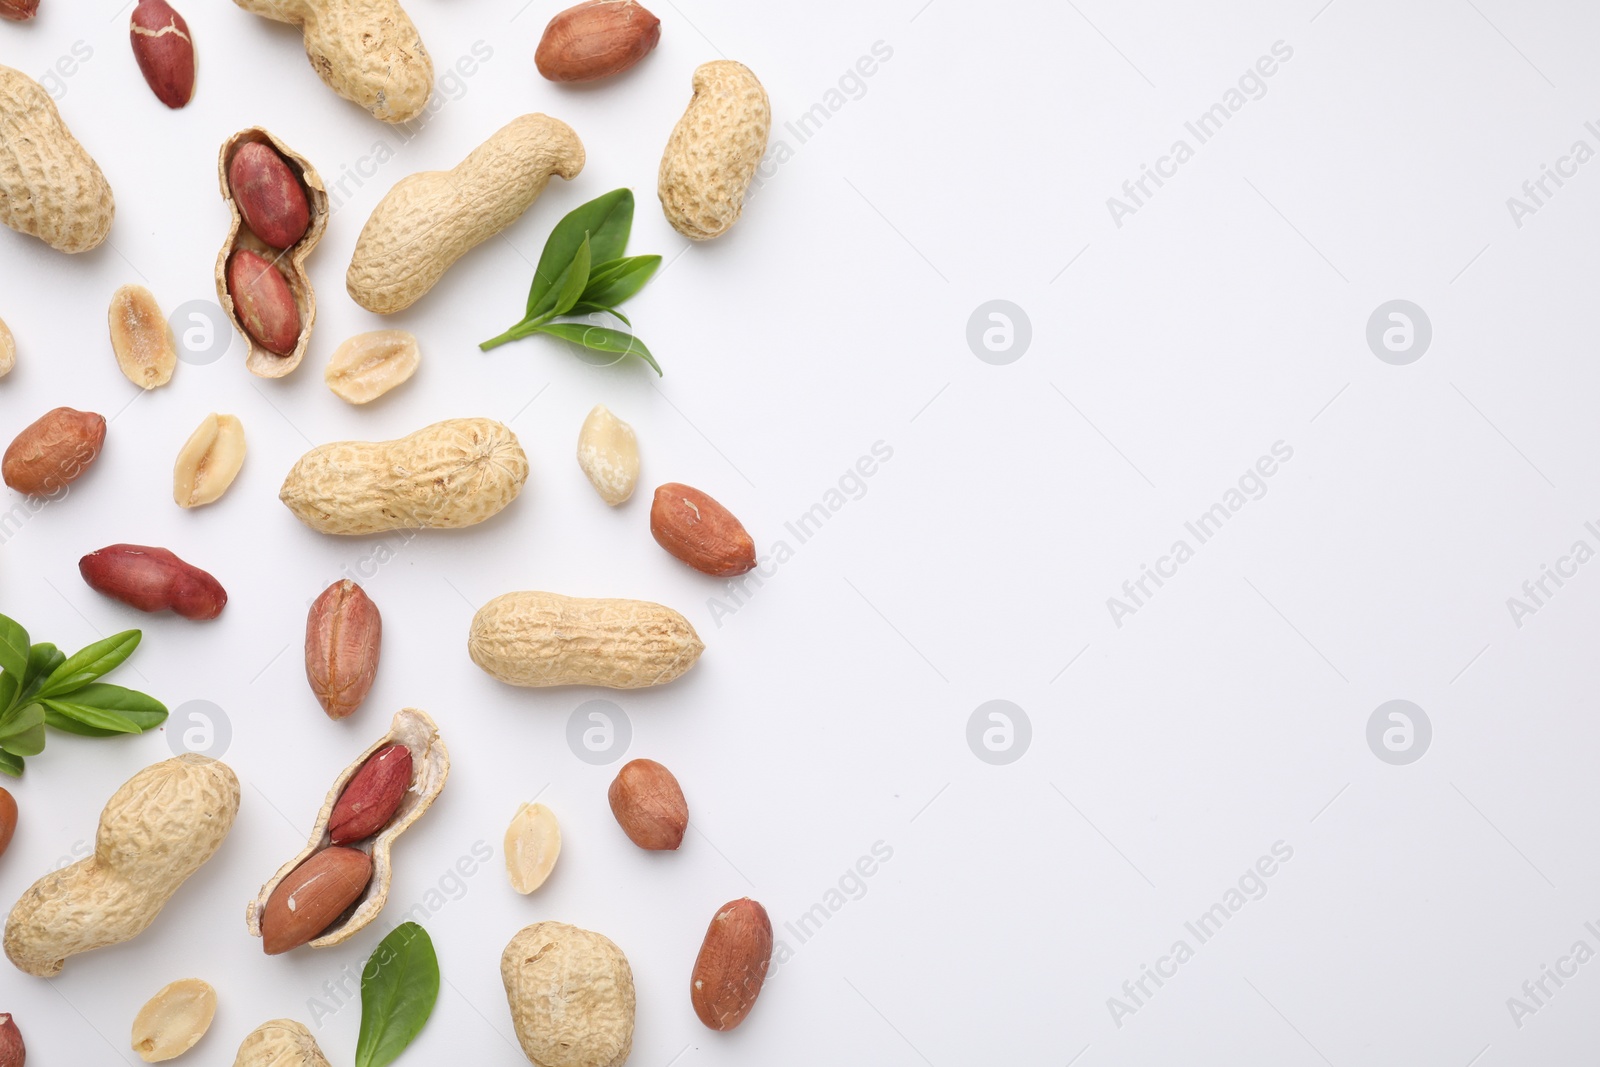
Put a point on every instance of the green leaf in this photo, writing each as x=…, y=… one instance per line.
x=601, y=339
x=10, y=764
x=605, y=220
x=577, y=280
x=96, y=718
x=28, y=743
x=10, y=684
x=21, y=721
x=13, y=646
x=89, y=663
x=398, y=989
x=144, y=712
x=622, y=282
x=23, y=734
x=42, y=659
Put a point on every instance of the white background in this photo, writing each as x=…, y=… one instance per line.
x=830, y=712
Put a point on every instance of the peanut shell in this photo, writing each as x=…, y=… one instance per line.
x=431, y=763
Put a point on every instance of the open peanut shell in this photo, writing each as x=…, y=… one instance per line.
x=290, y=261
x=430, y=764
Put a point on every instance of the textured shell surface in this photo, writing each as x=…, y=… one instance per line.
x=540, y=639
x=367, y=51
x=452, y=474
x=714, y=150
x=571, y=996
x=431, y=219
x=430, y=763
x=280, y=1043
x=155, y=831
x=50, y=187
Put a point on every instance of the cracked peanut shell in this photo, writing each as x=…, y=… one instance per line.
x=430, y=762
x=291, y=262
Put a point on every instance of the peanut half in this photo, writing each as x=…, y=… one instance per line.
x=533, y=843
x=608, y=454
x=8, y=350
x=430, y=220
x=370, y=364
x=174, y=1020
x=141, y=338
x=714, y=150
x=209, y=461
x=50, y=188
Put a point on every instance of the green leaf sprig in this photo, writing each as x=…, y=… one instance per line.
x=399, y=986
x=42, y=686
x=583, y=272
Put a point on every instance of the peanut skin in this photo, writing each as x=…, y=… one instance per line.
x=53, y=452
x=266, y=306
x=595, y=40
x=164, y=50
x=269, y=196
x=153, y=579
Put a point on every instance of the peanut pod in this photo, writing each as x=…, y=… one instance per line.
x=431, y=766
x=261, y=359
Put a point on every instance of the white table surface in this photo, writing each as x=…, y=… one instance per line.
x=830, y=716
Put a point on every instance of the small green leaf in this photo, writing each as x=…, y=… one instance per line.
x=9, y=764
x=399, y=987
x=95, y=718
x=605, y=220
x=28, y=743
x=10, y=685
x=90, y=663
x=144, y=710
x=20, y=721
x=13, y=646
x=576, y=281
x=621, y=283
x=42, y=659
x=601, y=339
